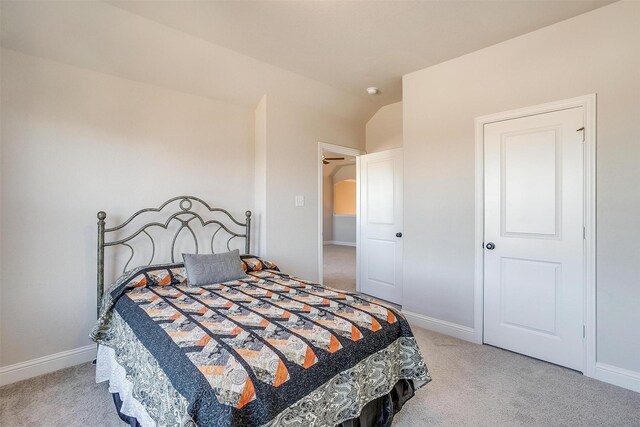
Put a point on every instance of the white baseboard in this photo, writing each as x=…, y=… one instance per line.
x=339, y=243
x=607, y=373
x=43, y=365
x=441, y=326
x=618, y=376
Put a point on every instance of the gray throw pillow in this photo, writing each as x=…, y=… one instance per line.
x=213, y=268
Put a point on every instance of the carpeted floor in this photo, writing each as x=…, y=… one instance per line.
x=339, y=267
x=472, y=385
x=69, y=397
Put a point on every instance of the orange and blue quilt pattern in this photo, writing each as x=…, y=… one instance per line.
x=244, y=351
x=252, y=329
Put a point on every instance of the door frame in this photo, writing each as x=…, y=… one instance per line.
x=347, y=151
x=588, y=102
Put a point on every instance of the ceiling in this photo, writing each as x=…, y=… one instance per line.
x=352, y=45
x=334, y=165
x=97, y=36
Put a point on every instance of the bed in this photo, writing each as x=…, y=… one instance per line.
x=267, y=349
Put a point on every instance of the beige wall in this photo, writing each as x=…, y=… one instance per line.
x=259, y=217
x=344, y=225
x=384, y=129
x=74, y=142
x=293, y=133
x=598, y=52
x=344, y=197
x=337, y=228
x=141, y=112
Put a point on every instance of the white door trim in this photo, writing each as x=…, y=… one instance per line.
x=588, y=102
x=347, y=151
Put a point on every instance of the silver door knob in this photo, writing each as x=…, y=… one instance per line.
x=491, y=246
x=398, y=234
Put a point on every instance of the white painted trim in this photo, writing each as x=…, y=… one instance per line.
x=347, y=151
x=43, y=365
x=339, y=243
x=478, y=304
x=618, y=376
x=345, y=215
x=590, y=171
x=339, y=149
x=588, y=102
x=441, y=326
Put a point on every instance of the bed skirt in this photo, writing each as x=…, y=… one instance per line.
x=377, y=413
x=132, y=421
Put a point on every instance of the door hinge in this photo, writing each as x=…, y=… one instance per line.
x=583, y=132
x=584, y=331
x=584, y=233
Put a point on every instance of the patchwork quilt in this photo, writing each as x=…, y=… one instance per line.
x=268, y=349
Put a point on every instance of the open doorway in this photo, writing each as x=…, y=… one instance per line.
x=338, y=216
x=339, y=221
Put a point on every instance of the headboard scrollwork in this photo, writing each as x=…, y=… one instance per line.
x=181, y=213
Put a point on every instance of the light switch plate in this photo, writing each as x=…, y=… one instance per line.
x=299, y=200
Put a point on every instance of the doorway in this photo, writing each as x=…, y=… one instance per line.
x=337, y=216
x=535, y=227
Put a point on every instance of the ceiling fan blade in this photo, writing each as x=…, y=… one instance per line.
x=334, y=158
x=324, y=162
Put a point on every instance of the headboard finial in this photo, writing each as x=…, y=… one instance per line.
x=102, y=215
x=247, y=241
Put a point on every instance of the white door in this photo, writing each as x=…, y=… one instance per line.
x=533, y=256
x=380, y=246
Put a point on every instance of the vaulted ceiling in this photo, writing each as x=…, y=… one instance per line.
x=354, y=44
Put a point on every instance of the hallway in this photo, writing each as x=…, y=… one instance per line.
x=340, y=267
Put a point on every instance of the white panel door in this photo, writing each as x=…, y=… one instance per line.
x=533, y=256
x=380, y=248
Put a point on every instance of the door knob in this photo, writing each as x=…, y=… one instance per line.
x=398, y=234
x=491, y=246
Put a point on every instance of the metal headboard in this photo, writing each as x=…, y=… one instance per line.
x=183, y=216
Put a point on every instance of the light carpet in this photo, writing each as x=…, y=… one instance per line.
x=339, y=267
x=473, y=385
